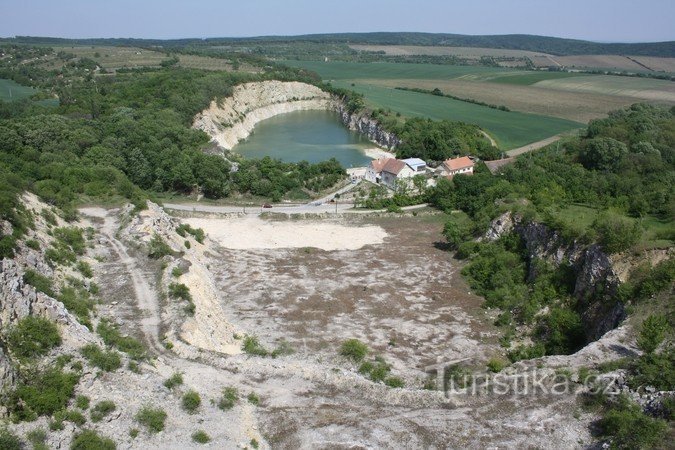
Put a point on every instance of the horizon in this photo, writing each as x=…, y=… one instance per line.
x=602, y=21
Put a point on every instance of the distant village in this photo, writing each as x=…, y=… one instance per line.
x=394, y=173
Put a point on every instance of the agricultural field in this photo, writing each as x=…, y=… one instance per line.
x=11, y=90
x=607, y=62
x=510, y=129
x=554, y=94
x=112, y=58
x=465, y=52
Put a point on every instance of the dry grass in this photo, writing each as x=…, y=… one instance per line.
x=580, y=107
x=608, y=62
x=639, y=89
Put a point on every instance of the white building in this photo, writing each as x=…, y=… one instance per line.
x=455, y=166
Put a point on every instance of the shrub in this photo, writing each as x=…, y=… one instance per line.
x=102, y=409
x=179, y=290
x=157, y=248
x=654, y=369
x=78, y=302
x=9, y=441
x=32, y=243
x=42, y=393
x=252, y=346
x=112, y=337
x=151, y=418
x=176, y=272
x=174, y=380
x=40, y=282
x=90, y=440
x=133, y=433
x=652, y=333
x=197, y=233
x=253, y=399
x=354, y=350
x=496, y=365
x=69, y=415
x=394, y=382
x=33, y=336
x=201, y=437
x=82, y=401
x=191, y=401
x=85, y=269
x=108, y=361
x=616, y=234
x=228, y=399
x=628, y=427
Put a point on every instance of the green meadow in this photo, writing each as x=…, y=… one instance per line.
x=510, y=129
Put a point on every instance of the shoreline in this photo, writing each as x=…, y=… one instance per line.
x=378, y=153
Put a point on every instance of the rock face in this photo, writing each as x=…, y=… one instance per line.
x=233, y=119
x=369, y=127
x=596, y=281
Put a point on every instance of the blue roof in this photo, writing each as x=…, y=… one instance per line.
x=414, y=162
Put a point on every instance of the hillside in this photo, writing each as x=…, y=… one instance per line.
x=545, y=44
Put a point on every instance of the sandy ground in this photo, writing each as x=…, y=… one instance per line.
x=257, y=233
x=377, y=153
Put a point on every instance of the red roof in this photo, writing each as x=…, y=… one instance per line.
x=393, y=166
x=378, y=164
x=458, y=163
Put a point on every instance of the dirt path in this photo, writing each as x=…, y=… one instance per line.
x=492, y=141
x=534, y=146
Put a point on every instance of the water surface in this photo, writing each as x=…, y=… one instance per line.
x=312, y=136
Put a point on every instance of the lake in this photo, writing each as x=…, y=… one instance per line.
x=313, y=136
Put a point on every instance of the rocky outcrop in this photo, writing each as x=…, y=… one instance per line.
x=233, y=119
x=368, y=127
x=596, y=282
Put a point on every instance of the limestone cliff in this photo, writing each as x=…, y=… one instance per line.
x=596, y=281
x=232, y=119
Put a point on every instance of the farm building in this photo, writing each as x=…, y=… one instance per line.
x=390, y=171
x=454, y=166
x=374, y=170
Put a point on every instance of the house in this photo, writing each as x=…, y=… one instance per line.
x=374, y=170
x=454, y=166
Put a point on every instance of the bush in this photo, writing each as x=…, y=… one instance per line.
x=616, y=234
x=652, y=333
x=354, y=350
x=85, y=269
x=151, y=418
x=40, y=282
x=394, y=382
x=179, y=290
x=157, y=248
x=628, y=427
x=174, y=380
x=33, y=336
x=78, y=302
x=108, y=361
x=191, y=401
x=253, y=347
x=37, y=438
x=197, y=233
x=102, y=409
x=32, y=243
x=201, y=437
x=228, y=399
x=90, y=440
x=69, y=415
x=9, y=441
x=41, y=393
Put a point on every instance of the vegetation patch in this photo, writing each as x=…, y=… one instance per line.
x=151, y=418
x=111, y=335
x=201, y=437
x=191, y=401
x=33, y=336
x=90, y=440
x=228, y=399
x=107, y=360
x=102, y=409
x=40, y=393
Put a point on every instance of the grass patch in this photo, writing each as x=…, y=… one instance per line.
x=40, y=282
x=82, y=402
x=354, y=350
x=91, y=440
x=127, y=344
x=151, y=418
x=191, y=401
x=41, y=393
x=174, y=380
x=102, y=409
x=78, y=302
x=108, y=361
x=158, y=248
x=9, y=441
x=228, y=399
x=252, y=346
x=201, y=437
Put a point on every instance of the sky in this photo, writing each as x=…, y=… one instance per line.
x=596, y=20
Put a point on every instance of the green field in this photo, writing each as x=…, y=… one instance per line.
x=510, y=129
x=10, y=90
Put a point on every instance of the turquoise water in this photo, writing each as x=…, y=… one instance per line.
x=312, y=136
